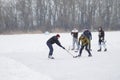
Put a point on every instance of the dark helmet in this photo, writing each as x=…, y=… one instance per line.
x=57, y=35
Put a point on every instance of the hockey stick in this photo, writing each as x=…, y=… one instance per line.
x=69, y=53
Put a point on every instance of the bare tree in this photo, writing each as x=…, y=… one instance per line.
x=32, y=15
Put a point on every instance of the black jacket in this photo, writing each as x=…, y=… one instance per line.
x=101, y=35
x=88, y=34
x=53, y=40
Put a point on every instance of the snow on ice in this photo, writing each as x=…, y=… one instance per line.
x=24, y=57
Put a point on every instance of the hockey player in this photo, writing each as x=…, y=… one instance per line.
x=101, y=35
x=84, y=43
x=51, y=41
x=74, y=34
x=88, y=34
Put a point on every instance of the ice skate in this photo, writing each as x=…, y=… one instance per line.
x=105, y=49
x=51, y=57
x=99, y=50
x=89, y=55
x=77, y=56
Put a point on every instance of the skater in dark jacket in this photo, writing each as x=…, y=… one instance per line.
x=101, y=35
x=84, y=43
x=51, y=41
x=88, y=34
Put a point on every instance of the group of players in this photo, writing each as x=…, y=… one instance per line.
x=84, y=41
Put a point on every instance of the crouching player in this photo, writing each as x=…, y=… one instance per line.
x=84, y=44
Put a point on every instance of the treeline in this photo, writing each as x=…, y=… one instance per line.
x=53, y=15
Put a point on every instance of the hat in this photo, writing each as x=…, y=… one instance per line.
x=82, y=36
x=57, y=35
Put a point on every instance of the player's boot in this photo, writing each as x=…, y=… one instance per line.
x=51, y=57
x=105, y=49
x=99, y=50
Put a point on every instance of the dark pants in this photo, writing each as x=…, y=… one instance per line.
x=89, y=45
x=100, y=41
x=86, y=48
x=50, y=48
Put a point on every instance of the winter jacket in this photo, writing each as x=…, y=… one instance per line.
x=84, y=40
x=74, y=33
x=101, y=35
x=88, y=34
x=53, y=40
